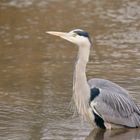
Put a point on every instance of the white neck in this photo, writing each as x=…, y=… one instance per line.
x=80, y=86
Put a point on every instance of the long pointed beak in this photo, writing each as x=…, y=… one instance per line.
x=60, y=34
x=63, y=35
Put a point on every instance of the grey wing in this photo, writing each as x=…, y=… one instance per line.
x=114, y=104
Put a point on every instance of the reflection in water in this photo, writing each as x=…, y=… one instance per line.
x=118, y=134
x=36, y=69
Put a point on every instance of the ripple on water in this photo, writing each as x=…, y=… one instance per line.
x=36, y=69
x=120, y=39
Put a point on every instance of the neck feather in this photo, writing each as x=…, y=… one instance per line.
x=80, y=86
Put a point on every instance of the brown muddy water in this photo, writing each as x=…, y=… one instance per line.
x=36, y=69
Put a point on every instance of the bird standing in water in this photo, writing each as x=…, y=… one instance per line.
x=102, y=102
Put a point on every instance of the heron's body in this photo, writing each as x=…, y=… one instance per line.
x=100, y=101
x=113, y=104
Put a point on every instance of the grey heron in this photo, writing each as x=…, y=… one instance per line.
x=104, y=103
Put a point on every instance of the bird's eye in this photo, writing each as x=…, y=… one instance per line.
x=74, y=35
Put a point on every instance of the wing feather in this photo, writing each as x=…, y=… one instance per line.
x=114, y=104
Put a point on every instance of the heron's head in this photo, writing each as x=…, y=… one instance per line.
x=77, y=36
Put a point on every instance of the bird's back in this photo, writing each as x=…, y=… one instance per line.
x=113, y=104
x=108, y=85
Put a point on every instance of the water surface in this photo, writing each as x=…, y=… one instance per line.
x=36, y=69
